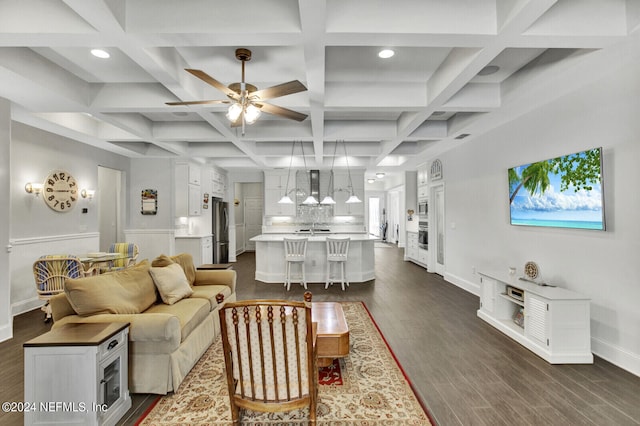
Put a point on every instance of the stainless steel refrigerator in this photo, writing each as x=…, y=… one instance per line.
x=220, y=230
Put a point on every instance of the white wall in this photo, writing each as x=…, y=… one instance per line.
x=34, y=228
x=599, y=264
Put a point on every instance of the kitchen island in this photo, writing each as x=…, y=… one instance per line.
x=270, y=264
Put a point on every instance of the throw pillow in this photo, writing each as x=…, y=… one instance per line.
x=186, y=261
x=128, y=291
x=171, y=282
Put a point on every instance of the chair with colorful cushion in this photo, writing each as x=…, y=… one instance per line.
x=129, y=250
x=270, y=356
x=50, y=272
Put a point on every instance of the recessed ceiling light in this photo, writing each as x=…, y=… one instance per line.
x=99, y=53
x=489, y=69
x=379, y=175
x=386, y=53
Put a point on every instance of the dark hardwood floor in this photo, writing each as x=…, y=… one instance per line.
x=464, y=370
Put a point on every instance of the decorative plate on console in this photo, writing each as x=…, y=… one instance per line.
x=531, y=270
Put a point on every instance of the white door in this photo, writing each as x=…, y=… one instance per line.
x=252, y=221
x=109, y=215
x=438, y=237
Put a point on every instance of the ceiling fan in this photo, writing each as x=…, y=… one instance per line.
x=245, y=99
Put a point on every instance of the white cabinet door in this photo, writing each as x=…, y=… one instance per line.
x=535, y=322
x=194, y=174
x=195, y=200
x=487, y=299
x=206, y=250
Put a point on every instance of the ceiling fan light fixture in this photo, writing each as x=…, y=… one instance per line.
x=386, y=53
x=234, y=112
x=251, y=114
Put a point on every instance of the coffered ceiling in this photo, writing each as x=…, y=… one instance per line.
x=392, y=113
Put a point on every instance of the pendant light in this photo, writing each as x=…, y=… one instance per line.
x=327, y=200
x=310, y=200
x=285, y=198
x=353, y=198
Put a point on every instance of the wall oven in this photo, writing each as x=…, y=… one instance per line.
x=423, y=208
x=423, y=235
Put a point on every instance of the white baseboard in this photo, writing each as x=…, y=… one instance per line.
x=6, y=332
x=471, y=287
x=616, y=355
x=25, y=306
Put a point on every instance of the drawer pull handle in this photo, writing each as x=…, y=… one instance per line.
x=112, y=345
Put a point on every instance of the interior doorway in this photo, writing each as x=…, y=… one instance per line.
x=110, y=207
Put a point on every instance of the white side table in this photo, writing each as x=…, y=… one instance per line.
x=77, y=374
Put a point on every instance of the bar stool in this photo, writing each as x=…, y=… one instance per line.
x=295, y=252
x=337, y=249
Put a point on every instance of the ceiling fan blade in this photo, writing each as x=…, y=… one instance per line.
x=283, y=89
x=213, y=82
x=199, y=102
x=283, y=112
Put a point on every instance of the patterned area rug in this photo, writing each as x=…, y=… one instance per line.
x=373, y=389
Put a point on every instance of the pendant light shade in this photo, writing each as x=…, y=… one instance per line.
x=251, y=114
x=327, y=200
x=285, y=200
x=353, y=199
x=234, y=112
x=310, y=200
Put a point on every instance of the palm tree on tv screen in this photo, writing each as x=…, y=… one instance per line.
x=579, y=170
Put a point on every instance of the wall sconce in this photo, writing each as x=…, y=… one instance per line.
x=88, y=193
x=33, y=188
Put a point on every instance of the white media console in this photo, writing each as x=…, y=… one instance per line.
x=552, y=322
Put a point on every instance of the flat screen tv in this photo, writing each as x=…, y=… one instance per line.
x=562, y=192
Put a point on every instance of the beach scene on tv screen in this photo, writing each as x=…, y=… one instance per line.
x=562, y=192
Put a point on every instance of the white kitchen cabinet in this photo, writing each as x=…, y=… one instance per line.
x=218, y=184
x=195, y=175
x=200, y=247
x=77, y=374
x=188, y=195
x=552, y=322
x=275, y=185
x=411, y=250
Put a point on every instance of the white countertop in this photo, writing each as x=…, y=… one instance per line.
x=194, y=235
x=555, y=293
x=312, y=238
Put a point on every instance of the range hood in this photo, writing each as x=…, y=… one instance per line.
x=306, y=181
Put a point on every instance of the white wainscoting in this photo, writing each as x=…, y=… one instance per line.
x=25, y=251
x=152, y=242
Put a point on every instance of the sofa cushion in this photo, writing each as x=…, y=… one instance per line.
x=190, y=312
x=128, y=291
x=209, y=292
x=171, y=282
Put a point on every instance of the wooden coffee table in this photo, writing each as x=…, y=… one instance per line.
x=333, y=332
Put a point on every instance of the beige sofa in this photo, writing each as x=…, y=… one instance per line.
x=173, y=321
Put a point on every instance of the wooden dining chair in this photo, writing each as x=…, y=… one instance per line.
x=270, y=356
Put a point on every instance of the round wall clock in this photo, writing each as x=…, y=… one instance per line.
x=60, y=191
